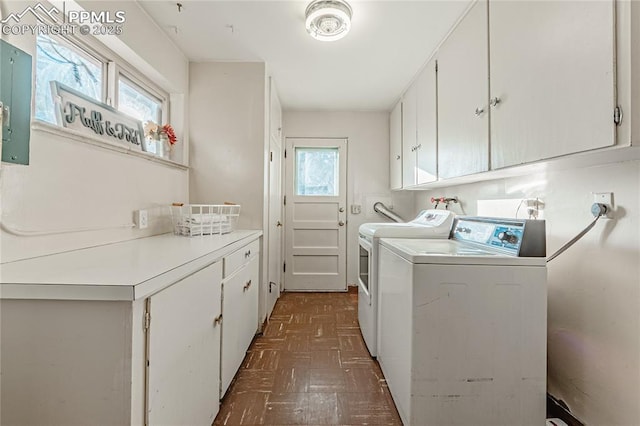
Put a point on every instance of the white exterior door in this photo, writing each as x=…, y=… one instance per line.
x=315, y=236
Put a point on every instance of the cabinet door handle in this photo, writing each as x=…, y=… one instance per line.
x=419, y=146
x=217, y=320
x=479, y=111
x=397, y=157
x=246, y=286
x=494, y=101
x=247, y=253
x=341, y=223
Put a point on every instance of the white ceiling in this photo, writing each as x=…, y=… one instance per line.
x=367, y=70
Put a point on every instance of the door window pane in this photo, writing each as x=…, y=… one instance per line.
x=317, y=171
x=57, y=60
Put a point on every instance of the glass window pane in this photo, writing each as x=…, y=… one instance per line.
x=317, y=171
x=138, y=103
x=57, y=60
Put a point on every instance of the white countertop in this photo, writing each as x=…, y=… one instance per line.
x=127, y=270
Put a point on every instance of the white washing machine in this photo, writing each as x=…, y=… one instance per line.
x=462, y=324
x=428, y=224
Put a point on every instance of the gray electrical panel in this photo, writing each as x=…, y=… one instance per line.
x=15, y=101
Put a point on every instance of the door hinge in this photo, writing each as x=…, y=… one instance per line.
x=436, y=66
x=147, y=320
x=284, y=266
x=285, y=153
x=617, y=115
x=285, y=200
x=271, y=156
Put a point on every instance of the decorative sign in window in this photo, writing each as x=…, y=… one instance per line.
x=77, y=111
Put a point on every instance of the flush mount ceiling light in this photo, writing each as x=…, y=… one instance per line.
x=328, y=20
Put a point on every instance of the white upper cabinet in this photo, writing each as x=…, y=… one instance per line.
x=419, y=130
x=463, y=95
x=395, y=147
x=409, y=137
x=427, y=126
x=552, y=79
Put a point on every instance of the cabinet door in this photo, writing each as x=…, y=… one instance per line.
x=395, y=147
x=250, y=305
x=463, y=93
x=184, y=351
x=426, y=126
x=240, y=313
x=552, y=69
x=233, y=324
x=409, y=136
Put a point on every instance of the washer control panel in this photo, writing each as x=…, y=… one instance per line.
x=434, y=218
x=509, y=236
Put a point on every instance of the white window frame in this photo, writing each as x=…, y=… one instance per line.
x=114, y=67
x=117, y=71
x=84, y=49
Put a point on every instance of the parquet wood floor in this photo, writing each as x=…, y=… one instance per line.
x=310, y=367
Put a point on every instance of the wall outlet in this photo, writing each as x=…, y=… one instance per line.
x=605, y=198
x=142, y=219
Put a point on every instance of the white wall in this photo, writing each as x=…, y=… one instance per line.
x=227, y=125
x=594, y=287
x=367, y=166
x=70, y=184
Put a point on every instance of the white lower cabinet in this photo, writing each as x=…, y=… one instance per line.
x=183, y=369
x=239, y=309
x=86, y=355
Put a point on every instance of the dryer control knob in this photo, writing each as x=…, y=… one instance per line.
x=507, y=237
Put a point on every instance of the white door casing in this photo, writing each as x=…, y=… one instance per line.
x=275, y=223
x=274, y=217
x=315, y=234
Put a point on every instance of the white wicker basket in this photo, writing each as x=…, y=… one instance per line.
x=204, y=219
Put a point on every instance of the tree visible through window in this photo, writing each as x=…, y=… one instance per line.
x=317, y=171
x=58, y=61
x=138, y=103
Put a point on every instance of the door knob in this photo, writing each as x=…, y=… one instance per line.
x=341, y=223
x=278, y=223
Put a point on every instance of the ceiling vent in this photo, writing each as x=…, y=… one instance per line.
x=328, y=20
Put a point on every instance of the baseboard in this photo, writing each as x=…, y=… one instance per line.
x=556, y=408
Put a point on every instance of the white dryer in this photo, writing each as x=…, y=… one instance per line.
x=428, y=224
x=462, y=326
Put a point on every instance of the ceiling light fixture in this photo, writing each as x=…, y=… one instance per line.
x=328, y=20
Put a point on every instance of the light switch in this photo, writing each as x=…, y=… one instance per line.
x=356, y=209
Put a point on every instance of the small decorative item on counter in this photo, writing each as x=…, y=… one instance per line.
x=159, y=139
